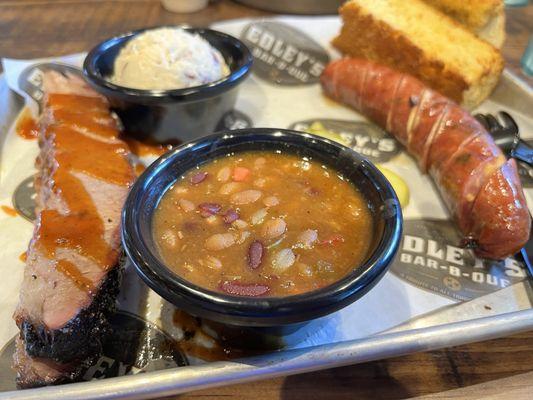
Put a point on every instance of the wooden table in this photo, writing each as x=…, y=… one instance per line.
x=500, y=368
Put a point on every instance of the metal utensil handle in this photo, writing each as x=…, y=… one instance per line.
x=523, y=152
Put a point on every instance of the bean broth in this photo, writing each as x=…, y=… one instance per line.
x=262, y=224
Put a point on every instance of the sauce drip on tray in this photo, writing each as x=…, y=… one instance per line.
x=27, y=127
x=9, y=211
x=141, y=149
x=198, y=340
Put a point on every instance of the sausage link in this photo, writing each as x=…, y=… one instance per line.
x=480, y=187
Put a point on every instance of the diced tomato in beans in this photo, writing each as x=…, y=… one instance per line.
x=262, y=224
x=240, y=174
x=333, y=239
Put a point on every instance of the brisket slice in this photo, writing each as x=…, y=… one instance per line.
x=72, y=270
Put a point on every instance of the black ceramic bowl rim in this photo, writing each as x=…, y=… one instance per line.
x=92, y=74
x=258, y=311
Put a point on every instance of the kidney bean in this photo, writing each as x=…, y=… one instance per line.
x=190, y=226
x=246, y=197
x=208, y=209
x=198, y=177
x=224, y=174
x=186, y=205
x=219, y=241
x=237, y=288
x=273, y=228
x=255, y=254
x=283, y=259
x=230, y=216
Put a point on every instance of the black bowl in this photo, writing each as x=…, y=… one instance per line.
x=265, y=311
x=170, y=115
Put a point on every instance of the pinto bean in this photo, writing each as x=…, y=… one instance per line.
x=180, y=190
x=243, y=236
x=260, y=182
x=259, y=216
x=273, y=228
x=246, y=197
x=237, y=288
x=304, y=269
x=229, y=188
x=169, y=238
x=219, y=241
x=209, y=209
x=224, y=174
x=255, y=254
x=259, y=162
x=240, y=224
x=283, y=259
x=212, y=262
x=198, y=177
x=307, y=238
x=271, y=201
x=186, y=205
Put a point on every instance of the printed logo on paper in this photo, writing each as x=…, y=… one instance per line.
x=134, y=347
x=284, y=55
x=429, y=258
x=31, y=79
x=365, y=138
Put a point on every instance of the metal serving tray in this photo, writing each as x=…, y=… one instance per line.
x=483, y=318
x=425, y=333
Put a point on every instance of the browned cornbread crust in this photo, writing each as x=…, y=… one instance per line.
x=474, y=14
x=367, y=35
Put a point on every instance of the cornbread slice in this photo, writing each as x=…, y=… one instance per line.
x=415, y=38
x=485, y=18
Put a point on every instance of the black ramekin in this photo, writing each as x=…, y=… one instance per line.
x=146, y=193
x=170, y=115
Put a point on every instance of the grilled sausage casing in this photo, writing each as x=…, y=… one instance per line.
x=479, y=185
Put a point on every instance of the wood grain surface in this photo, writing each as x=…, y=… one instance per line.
x=499, y=369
